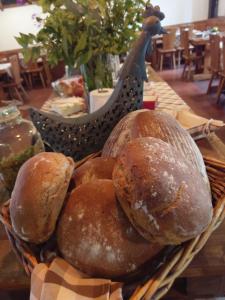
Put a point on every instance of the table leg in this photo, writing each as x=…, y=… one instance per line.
x=207, y=60
x=2, y=94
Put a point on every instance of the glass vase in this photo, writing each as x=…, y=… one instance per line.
x=98, y=72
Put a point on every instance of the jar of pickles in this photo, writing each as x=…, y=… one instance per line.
x=19, y=140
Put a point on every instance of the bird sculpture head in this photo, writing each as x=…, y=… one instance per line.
x=153, y=11
x=152, y=22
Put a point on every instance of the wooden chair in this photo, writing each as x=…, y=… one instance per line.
x=169, y=49
x=2, y=94
x=16, y=83
x=215, y=67
x=222, y=74
x=190, y=59
x=180, y=48
x=32, y=69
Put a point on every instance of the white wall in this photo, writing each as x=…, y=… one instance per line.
x=182, y=11
x=15, y=20
x=200, y=10
x=221, y=8
x=19, y=19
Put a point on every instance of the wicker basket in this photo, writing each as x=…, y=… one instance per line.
x=157, y=285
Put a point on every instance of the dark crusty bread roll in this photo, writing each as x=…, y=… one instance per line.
x=95, y=236
x=148, y=123
x=38, y=195
x=96, y=168
x=163, y=195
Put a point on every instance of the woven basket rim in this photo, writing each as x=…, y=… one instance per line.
x=159, y=284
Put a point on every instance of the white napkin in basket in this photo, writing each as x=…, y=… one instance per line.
x=60, y=281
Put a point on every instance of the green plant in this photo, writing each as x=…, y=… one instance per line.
x=79, y=31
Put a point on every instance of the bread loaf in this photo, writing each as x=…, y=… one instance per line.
x=95, y=236
x=38, y=195
x=146, y=123
x=96, y=168
x=162, y=193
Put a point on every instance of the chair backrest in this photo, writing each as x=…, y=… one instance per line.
x=3, y=58
x=184, y=40
x=183, y=29
x=189, y=27
x=31, y=64
x=169, y=39
x=215, y=52
x=15, y=67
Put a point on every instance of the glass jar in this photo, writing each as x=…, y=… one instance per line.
x=19, y=140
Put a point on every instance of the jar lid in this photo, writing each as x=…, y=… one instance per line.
x=8, y=113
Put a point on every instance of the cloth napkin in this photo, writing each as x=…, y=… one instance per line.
x=60, y=281
x=197, y=126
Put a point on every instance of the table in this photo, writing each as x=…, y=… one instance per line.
x=203, y=44
x=206, y=273
x=5, y=68
x=208, y=265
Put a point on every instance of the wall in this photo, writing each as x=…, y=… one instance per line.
x=221, y=8
x=19, y=19
x=182, y=11
x=15, y=20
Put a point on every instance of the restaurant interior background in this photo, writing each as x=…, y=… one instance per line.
x=19, y=19
x=181, y=91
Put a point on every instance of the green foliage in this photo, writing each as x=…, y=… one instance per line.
x=76, y=31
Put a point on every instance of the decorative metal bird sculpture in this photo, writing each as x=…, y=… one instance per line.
x=78, y=137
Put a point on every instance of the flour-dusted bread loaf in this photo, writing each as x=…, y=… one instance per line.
x=95, y=236
x=38, y=195
x=162, y=193
x=96, y=168
x=147, y=123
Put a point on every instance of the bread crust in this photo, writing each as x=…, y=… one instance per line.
x=95, y=236
x=162, y=194
x=148, y=123
x=38, y=195
x=96, y=168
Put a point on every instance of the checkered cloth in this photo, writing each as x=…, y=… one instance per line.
x=168, y=100
x=60, y=281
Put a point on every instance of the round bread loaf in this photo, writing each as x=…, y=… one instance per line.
x=96, y=168
x=148, y=123
x=162, y=194
x=38, y=195
x=95, y=236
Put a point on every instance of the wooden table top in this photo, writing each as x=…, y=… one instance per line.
x=211, y=259
x=202, y=41
x=199, y=41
